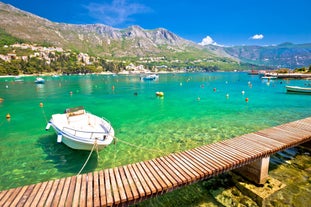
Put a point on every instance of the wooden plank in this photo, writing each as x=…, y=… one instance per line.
x=89, y=189
x=83, y=191
x=226, y=151
x=296, y=132
x=120, y=185
x=35, y=192
x=161, y=179
x=197, y=160
x=49, y=200
x=209, y=169
x=147, y=178
x=131, y=182
x=46, y=192
x=258, y=145
x=171, y=171
x=76, y=195
x=141, y=179
x=217, y=156
x=244, y=158
x=71, y=189
x=64, y=192
x=252, y=151
x=108, y=188
x=290, y=135
x=267, y=141
x=103, y=194
x=126, y=185
x=17, y=198
x=7, y=195
x=139, y=186
x=2, y=194
x=244, y=150
x=167, y=178
x=58, y=192
x=155, y=179
x=96, y=191
x=182, y=167
x=240, y=145
x=301, y=124
x=191, y=165
x=115, y=191
x=32, y=195
x=277, y=135
x=210, y=160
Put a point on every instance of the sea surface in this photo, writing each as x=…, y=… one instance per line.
x=196, y=109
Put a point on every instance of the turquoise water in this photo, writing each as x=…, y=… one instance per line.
x=190, y=114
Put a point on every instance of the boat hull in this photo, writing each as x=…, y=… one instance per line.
x=298, y=89
x=81, y=130
x=78, y=143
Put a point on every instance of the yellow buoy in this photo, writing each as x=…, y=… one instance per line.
x=1, y=100
x=159, y=93
x=8, y=116
x=41, y=104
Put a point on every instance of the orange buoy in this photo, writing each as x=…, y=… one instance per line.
x=8, y=116
x=1, y=100
x=41, y=104
x=246, y=99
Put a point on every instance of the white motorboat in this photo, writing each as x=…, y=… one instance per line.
x=39, y=80
x=81, y=130
x=298, y=89
x=149, y=77
x=269, y=77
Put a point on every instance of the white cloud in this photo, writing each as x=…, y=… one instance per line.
x=207, y=41
x=257, y=37
x=116, y=12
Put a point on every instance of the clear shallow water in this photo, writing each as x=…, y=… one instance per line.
x=179, y=121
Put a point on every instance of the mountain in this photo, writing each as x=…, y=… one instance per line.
x=135, y=42
x=95, y=39
x=284, y=55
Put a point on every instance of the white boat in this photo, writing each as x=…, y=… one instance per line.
x=269, y=77
x=39, y=81
x=298, y=89
x=81, y=130
x=149, y=77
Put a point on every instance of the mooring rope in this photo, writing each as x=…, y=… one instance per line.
x=95, y=144
x=130, y=144
x=43, y=112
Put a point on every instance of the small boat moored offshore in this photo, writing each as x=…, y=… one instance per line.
x=39, y=81
x=298, y=89
x=149, y=77
x=81, y=130
x=269, y=77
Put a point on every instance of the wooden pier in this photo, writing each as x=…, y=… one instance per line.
x=129, y=184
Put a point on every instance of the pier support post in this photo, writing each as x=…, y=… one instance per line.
x=256, y=171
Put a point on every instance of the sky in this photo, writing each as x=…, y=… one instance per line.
x=218, y=22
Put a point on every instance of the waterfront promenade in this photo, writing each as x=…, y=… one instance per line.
x=133, y=183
